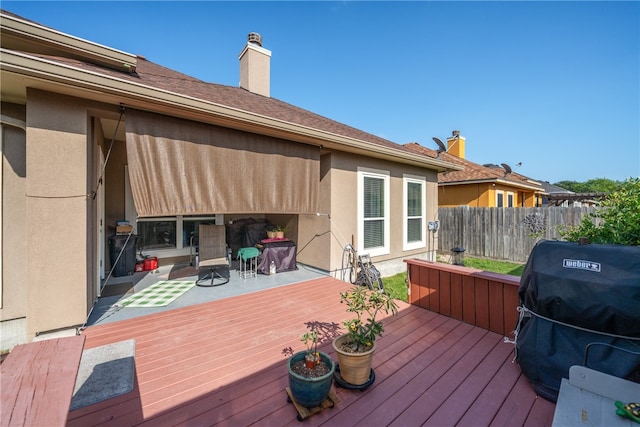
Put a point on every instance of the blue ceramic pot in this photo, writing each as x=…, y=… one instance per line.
x=307, y=391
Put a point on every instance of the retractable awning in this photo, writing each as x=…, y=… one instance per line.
x=182, y=167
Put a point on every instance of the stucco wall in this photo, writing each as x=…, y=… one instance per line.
x=56, y=211
x=339, y=198
x=14, y=249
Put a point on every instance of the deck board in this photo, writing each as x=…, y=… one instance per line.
x=222, y=363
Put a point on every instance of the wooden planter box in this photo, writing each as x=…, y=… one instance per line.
x=487, y=300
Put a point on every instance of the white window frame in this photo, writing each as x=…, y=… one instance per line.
x=385, y=176
x=498, y=194
x=510, y=199
x=422, y=243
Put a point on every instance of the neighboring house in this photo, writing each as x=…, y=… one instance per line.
x=479, y=185
x=555, y=195
x=92, y=135
x=558, y=196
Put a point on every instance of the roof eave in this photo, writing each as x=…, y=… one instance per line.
x=18, y=33
x=494, y=181
x=47, y=74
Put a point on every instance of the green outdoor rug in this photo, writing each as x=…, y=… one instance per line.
x=159, y=294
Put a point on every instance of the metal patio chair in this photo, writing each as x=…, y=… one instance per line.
x=213, y=256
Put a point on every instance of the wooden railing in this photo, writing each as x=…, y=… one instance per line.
x=487, y=300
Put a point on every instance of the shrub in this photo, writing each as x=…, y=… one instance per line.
x=616, y=221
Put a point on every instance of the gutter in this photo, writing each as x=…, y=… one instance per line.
x=114, y=90
x=19, y=33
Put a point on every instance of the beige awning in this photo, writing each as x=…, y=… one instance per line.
x=181, y=167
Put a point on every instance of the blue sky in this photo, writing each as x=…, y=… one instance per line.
x=553, y=85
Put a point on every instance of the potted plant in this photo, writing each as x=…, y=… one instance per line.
x=355, y=348
x=280, y=231
x=310, y=340
x=310, y=373
x=271, y=234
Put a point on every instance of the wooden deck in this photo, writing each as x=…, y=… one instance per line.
x=222, y=363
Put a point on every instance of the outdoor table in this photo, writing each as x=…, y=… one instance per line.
x=281, y=251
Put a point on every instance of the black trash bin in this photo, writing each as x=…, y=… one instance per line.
x=127, y=263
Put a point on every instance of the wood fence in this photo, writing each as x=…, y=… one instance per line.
x=503, y=233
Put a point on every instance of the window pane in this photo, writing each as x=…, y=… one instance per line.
x=373, y=197
x=414, y=199
x=414, y=230
x=500, y=202
x=373, y=233
x=157, y=234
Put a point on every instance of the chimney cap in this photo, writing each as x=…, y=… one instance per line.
x=255, y=38
x=455, y=133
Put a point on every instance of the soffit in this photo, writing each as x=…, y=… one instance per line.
x=23, y=35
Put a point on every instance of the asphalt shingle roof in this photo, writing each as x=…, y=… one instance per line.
x=472, y=171
x=157, y=76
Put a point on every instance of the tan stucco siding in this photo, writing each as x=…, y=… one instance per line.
x=344, y=201
x=14, y=247
x=56, y=211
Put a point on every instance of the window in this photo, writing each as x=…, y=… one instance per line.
x=414, y=213
x=499, y=199
x=510, y=199
x=373, y=212
x=159, y=233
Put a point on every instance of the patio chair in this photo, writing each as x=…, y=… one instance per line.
x=213, y=256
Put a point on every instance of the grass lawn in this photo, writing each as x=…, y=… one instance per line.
x=397, y=285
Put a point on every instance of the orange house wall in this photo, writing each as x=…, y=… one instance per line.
x=482, y=195
x=474, y=195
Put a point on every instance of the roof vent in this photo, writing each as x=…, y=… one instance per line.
x=255, y=38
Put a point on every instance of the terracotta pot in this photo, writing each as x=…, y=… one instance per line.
x=355, y=368
x=310, y=392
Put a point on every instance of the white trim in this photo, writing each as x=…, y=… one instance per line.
x=255, y=47
x=499, y=193
x=510, y=203
x=406, y=245
x=385, y=176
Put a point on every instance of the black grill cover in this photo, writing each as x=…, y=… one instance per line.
x=578, y=294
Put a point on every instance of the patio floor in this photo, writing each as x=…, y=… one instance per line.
x=223, y=362
x=106, y=308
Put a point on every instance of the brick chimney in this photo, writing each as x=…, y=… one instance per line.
x=455, y=144
x=255, y=64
